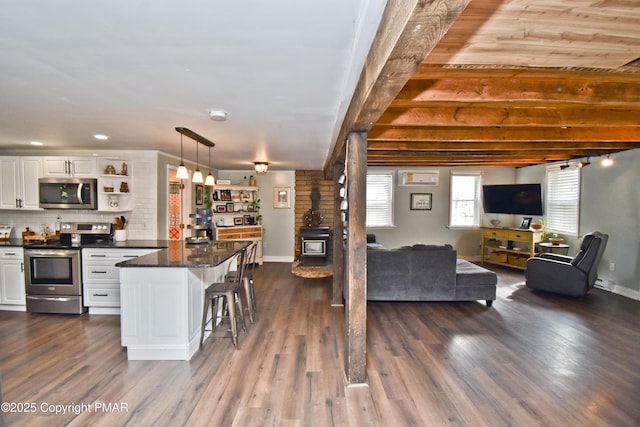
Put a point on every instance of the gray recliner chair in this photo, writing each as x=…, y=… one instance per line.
x=566, y=275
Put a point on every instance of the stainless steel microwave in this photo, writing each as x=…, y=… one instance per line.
x=68, y=193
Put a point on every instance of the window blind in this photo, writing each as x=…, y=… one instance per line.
x=380, y=199
x=562, y=208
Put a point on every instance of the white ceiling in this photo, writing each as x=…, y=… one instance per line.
x=134, y=70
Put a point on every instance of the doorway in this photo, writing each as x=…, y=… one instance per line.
x=177, y=200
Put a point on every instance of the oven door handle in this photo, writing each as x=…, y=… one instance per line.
x=49, y=298
x=80, y=194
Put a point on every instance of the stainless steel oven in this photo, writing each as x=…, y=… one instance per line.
x=53, y=279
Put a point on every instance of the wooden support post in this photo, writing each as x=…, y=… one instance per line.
x=338, y=247
x=356, y=277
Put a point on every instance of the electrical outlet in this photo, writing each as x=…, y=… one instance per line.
x=612, y=266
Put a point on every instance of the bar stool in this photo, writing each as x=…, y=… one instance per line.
x=227, y=292
x=247, y=280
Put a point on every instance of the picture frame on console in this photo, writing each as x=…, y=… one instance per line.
x=526, y=223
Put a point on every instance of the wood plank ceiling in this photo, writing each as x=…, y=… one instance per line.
x=514, y=84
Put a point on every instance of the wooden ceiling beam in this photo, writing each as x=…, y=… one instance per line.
x=420, y=146
x=507, y=90
x=408, y=31
x=447, y=113
x=510, y=134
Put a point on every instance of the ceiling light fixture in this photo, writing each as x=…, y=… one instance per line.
x=197, y=175
x=182, y=169
x=261, y=167
x=209, y=181
x=36, y=143
x=218, y=115
x=100, y=137
x=607, y=161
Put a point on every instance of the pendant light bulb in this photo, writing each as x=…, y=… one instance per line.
x=209, y=181
x=608, y=161
x=197, y=175
x=182, y=170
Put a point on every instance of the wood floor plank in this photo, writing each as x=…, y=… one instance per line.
x=533, y=359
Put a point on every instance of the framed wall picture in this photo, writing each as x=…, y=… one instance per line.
x=420, y=201
x=238, y=220
x=221, y=208
x=281, y=197
x=199, y=195
x=230, y=207
x=248, y=220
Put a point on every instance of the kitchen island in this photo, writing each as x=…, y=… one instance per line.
x=162, y=295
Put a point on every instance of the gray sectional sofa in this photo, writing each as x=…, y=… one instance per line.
x=426, y=273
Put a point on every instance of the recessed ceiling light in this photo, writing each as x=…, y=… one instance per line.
x=101, y=137
x=36, y=143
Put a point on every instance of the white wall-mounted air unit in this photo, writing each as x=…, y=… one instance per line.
x=425, y=178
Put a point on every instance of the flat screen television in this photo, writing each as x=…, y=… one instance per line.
x=523, y=199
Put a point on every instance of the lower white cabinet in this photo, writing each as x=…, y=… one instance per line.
x=12, y=290
x=101, y=277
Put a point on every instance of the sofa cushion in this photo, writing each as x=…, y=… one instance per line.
x=468, y=274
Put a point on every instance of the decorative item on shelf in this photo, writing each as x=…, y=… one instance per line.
x=125, y=169
x=124, y=187
x=255, y=207
x=495, y=222
x=556, y=240
x=536, y=226
x=110, y=170
x=114, y=203
x=526, y=223
x=108, y=189
x=252, y=181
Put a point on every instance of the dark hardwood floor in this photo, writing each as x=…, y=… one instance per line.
x=532, y=359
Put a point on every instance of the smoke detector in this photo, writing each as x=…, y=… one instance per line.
x=218, y=115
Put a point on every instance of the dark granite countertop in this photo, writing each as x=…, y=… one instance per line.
x=181, y=254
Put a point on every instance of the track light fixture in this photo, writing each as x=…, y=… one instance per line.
x=565, y=166
x=584, y=163
x=607, y=161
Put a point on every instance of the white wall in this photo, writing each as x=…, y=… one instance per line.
x=278, y=240
x=610, y=203
x=431, y=227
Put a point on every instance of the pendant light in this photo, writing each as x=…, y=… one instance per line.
x=197, y=175
x=209, y=181
x=182, y=170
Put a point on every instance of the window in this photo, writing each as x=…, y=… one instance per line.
x=380, y=199
x=562, y=206
x=465, y=199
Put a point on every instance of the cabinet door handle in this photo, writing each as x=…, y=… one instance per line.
x=100, y=272
x=130, y=256
x=22, y=266
x=98, y=255
x=10, y=253
x=100, y=295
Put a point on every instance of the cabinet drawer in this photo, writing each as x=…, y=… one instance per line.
x=12, y=253
x=522, y=236
x=101, y=272
x=496, y=234
x=102, y=297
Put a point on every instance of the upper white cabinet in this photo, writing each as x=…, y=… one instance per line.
x=19, y=185
x=114, y=184
x=81, y=167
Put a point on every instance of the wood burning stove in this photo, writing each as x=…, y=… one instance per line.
x=314, y=245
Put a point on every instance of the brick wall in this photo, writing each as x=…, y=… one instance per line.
x=305, y=181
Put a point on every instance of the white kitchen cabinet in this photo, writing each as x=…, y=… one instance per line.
x=101, y=277
x=76, y=167
x=19, y=182
x=12, y=289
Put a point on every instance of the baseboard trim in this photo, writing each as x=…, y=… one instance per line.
x=278, y=258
